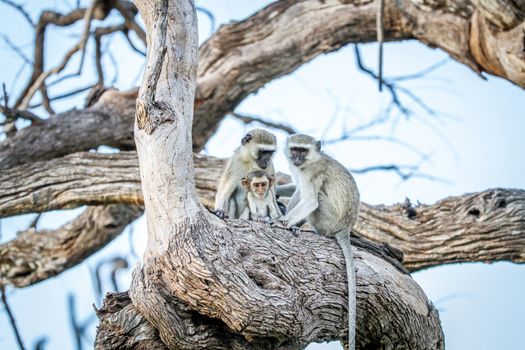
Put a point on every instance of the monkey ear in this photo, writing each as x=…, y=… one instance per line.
x=245, y=183
x=271, y=180
x=318, y=146
x=246, y=139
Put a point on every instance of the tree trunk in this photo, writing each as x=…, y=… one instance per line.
x=208, y=284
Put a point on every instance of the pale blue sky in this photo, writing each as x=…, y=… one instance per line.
x=475, y=143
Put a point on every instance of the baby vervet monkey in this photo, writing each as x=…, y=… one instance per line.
x=260, y=196
x=326, y=196
x=255, y=153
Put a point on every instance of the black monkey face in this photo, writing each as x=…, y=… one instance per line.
x=298, y=155
x=264, y=157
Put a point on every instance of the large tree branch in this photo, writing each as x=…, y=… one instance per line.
x=301, y=283
x=242, y=57
x=484, y=226
x=34, y=256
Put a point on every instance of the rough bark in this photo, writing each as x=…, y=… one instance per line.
x=301, y=281
x=248, y=278
x=487, y=226
x=241, y=57
x=34, y=256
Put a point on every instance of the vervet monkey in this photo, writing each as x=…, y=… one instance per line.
x=260, y=196
x=255, y=153
x=326, y=196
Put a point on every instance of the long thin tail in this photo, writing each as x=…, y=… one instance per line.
x=343, y=238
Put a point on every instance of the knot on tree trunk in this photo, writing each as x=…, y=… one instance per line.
x=151, y=114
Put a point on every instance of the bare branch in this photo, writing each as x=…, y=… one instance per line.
x=34, y=256
x=248, y=119
x=380, y=40
x=16, y=49
x=20, y=9
x=11, y=318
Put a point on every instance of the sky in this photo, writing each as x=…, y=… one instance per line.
x=472, y=142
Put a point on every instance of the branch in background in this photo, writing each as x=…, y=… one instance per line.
x=75, y=328
x=128, y=10
x=495, y=216
x=11, y=318
x=20, y=9
x=405, y=172
x=380, y=40
x=248, y=119
x=16, y=49
x=40, y=343
x=65, y=95
x=210, y=16
x=34, y=256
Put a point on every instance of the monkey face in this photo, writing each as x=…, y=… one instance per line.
x=264, y=157
x=259, y=186
x=298, y=155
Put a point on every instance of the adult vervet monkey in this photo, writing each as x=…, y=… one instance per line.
x=255, y=153
x=326, y=196
x=260, y=196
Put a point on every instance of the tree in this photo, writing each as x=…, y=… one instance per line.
x=205, y=283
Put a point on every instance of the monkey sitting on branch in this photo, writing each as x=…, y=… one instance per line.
x=326, y=196
x=262, y=204
x=255, y=153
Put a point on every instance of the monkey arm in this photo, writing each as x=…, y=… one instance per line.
x=296, y=196
x=245, y=215
x=273, y=208
x=307, y=204
x=225, y=192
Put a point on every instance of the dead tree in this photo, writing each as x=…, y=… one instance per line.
x=212, y=284
x=205, y=283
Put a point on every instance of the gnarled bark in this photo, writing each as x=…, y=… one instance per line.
x=254, y=287
x=245, y=276
x=487, y=226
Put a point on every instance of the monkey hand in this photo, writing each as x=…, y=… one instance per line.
x=296, y=230
x=220, y=214
x=283, y=221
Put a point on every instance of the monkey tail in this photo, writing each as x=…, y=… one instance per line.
x=343, y=238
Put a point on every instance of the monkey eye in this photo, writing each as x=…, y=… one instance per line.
x=265, y=152
x=298, y=149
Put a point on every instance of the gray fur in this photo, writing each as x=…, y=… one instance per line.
x=327, y=197
x=231, y=196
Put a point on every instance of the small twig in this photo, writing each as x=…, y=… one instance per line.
x=118, y=263
x=20, y=9
x=247, y=119
x=210, y=16
x=41, y=79
x=40, y=343
x=88, y=16
x=77, y=331
x=12, y=319
x=389, y=86
x=128, y=15
x=421, y=73
x=380, y=40
x=65, y=95
x=16, y=49
x=35, y=221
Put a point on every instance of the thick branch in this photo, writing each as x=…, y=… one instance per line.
x=34, y=256
x=485, y=226
x=242, y=57
x=235, y=294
